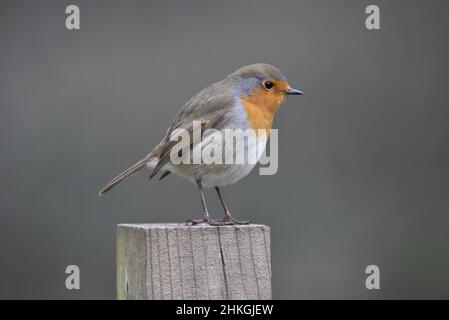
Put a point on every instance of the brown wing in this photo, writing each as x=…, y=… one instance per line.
x=184, y=147
x=208, y=106
x=210, y=101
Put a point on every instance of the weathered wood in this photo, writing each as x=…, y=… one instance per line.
x=175, y=261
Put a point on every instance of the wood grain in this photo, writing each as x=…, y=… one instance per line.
x=175, y=261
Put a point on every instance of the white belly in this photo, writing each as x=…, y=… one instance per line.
x=233, y=167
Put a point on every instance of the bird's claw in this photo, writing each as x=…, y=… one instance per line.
x=227, y=221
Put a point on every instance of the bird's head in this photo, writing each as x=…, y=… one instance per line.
x=262, y=88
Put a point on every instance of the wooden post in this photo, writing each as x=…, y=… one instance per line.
x=175, y=261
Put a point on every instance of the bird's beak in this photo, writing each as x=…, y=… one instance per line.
x=293, y=91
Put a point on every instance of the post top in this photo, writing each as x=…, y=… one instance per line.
x=147, y=226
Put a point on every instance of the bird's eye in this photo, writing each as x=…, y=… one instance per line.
x=268, y=84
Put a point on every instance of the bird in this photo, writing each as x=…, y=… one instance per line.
x=246, y=99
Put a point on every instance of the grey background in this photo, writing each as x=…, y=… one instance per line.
x=363, y=175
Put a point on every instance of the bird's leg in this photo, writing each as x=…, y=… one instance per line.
x=228, y=218
x=207, y=218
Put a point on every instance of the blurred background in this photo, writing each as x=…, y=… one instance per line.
x=363, y=156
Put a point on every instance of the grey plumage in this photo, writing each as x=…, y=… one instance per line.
x=220, y=106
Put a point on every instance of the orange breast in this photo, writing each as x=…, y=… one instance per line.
x=260, y=108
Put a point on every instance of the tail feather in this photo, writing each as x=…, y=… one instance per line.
x=122, y=176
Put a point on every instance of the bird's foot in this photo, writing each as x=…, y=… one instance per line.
x=212, y=222
x=227, y=221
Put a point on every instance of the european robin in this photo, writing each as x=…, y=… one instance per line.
x=246, y=99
